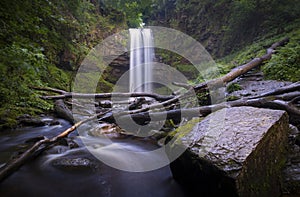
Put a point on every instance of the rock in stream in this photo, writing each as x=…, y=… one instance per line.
x=238, y=151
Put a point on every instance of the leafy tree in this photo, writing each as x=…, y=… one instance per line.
x=133, y=11
x=33, y=34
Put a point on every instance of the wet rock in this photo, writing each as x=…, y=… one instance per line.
x=237, y=151
x=63, y=111
x=291, y=172
x=256, y=87
x=62, y=142
x=34, y=139
x=36, y=121
x=117, y=67
x=53, y=123
x=107, y=130
x=28, y=120
x=79, y=163
x=72, y=144
x=57, y=149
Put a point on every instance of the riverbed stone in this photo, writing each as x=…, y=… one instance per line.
x=78, y=163
x=237, y=151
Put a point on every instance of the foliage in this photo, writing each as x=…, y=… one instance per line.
x=213, y=71
x=34, y=35
x=133, y=11
x=232, y=98
x=284, y=65
x=252, y=19
x=20, y=69
x=232, y=87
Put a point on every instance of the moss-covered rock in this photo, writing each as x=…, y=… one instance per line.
x=237, y=151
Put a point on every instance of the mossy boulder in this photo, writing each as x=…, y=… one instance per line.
x=238, y=151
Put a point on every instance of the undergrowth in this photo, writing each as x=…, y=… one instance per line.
x=284, y=64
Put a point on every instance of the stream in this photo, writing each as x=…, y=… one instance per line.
x=64, y=171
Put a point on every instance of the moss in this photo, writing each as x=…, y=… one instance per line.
x=232, y=98
x=204, y=98
x=232, y=87
x=163, y=90
x=104, y=86
x=183, y=130
x=187, y=70
x=284, y=65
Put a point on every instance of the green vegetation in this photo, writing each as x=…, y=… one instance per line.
x=133, y=12
x=183, y=130
x=232, y=98
x=284, y=65
x=233, y=87
x=41, y=43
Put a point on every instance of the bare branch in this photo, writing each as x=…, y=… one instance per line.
x=282, y=90
x=107, y=95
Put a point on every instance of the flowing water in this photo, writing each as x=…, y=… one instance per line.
x=61, y=171
x=141, y=58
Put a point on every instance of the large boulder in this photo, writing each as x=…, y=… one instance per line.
x=291, y=172
x=237, y=151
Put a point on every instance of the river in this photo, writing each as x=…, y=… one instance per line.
x=51, y=175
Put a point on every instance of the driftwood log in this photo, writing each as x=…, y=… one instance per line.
x=65, y=95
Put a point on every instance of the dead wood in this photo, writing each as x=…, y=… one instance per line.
x=290, y=88
x=143, y=117
x=240, y=70
x=65, y=95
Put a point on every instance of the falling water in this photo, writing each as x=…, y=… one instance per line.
x=141, y=57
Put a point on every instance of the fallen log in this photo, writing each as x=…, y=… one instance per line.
x=240, y=70
x=290, y=88
x=143, y=117
x=295, y=100
x=49, y=89
x=65, y=95
x=17, y=162
x=287, y=96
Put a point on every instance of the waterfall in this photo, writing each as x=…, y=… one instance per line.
x=141, y=58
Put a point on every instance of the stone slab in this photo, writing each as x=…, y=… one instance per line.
x=237, y=151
